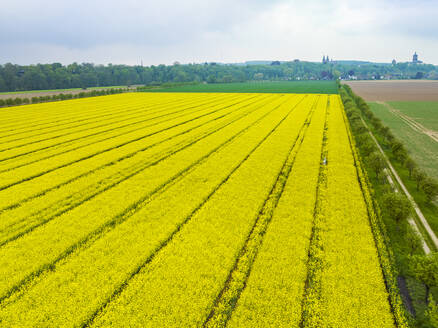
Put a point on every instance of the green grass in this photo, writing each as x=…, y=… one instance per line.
x=327, y=87
x=422, y=148
x=424, y=112
x=61, y=90
x=397, y=233
x=410, y=140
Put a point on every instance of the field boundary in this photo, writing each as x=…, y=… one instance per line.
x=386, y=260
x=431, y=235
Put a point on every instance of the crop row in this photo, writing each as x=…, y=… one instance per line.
x=109, y=147
x=238, y=276
x=52, y=114
x=345, y=284
x=79, y=170
x=273, y=292
x=130, y=109
x=122, y=243
x=26, y=214
x=180, y=283
x=42, y=246
x=118, y=130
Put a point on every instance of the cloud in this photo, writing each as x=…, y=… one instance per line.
x=215, y=30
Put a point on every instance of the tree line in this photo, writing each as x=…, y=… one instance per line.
x=57, y=76
x=405, y=241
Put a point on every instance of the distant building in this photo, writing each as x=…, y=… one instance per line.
x=394, y=62
x=415, y=59
x=325, y=59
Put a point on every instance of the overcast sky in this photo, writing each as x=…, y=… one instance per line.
x=165, y=31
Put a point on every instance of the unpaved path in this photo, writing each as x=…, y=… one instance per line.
x=416, y=126
x=423, y=220
x=411, y=221
x=29, y=95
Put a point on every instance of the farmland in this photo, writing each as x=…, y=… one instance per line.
x=416, y=125
x=187, y=209
x=326, y=87
x=396, y=90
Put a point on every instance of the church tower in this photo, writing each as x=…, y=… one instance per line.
x=415, y=58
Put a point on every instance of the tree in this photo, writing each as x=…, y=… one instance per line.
x=413, y=240
x=376, y=162
x=430, y=188
x=385, y=131
x=410, y=165
x=397, y=206
x=419, y=177
x=396, y=146
x=399, y=151
x=425, y=269
x=368, y=147
x=419, y=75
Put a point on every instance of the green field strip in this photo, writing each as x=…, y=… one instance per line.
x=22, y=218
x=424, y=112
x=58, y=178
x=140, y=238
x=138, y=108
x=52, y=151
x=421, y=147
x=346, y=286
x=28, y=173
x=34, y=252
x=315, y=87
x=42, y=146
x=194, y=264
x=273, y=292
x=237, y=278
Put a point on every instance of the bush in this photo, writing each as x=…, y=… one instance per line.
x=430, y=188
x=397, y=207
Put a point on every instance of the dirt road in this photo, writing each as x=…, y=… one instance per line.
x=420, y=215
x=29, y=95
x=411, y=122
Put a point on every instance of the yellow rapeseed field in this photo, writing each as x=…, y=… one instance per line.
x=187, y=210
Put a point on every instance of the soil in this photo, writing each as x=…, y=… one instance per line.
x=396, y=90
